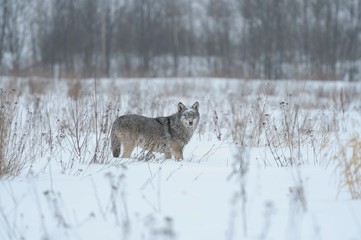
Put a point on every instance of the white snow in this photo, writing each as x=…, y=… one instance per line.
x=219, y=191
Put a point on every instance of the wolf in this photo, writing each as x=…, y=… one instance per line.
x=166, y=135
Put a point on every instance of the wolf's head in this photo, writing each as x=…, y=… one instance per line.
x=189, y=116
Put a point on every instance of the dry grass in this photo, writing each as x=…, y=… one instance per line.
x=73, y=131
x=285, y=119
x=12, y=140
x=350, y=166
x=75, y=89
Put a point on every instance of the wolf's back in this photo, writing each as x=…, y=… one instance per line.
x=150, y=133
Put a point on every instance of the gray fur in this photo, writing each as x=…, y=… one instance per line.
x=166, y=135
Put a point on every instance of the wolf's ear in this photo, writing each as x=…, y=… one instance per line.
x=195, y=106
x=181, y=107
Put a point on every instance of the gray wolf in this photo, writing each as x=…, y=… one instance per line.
x=166, y=135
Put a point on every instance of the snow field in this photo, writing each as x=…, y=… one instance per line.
x=265, y=162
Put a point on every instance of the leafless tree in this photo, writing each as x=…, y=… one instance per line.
x=3, y=23
x=243, y=38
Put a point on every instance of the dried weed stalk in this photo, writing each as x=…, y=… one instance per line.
x=13, y=134
x=350, y=166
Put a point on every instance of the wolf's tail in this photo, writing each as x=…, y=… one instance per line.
x=115, y=141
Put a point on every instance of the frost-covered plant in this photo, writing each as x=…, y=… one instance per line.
x=75, y=128
x=12, y=135
x=283, y=135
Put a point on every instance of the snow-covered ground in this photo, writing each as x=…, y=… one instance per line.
x=268, y=161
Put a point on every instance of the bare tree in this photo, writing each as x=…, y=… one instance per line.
x=108, y=32
x=4, y=19
x=90, y=32
x=219, y=42
x=351, y=39
x=175, y=14
x=242, y=38
x=16, y=31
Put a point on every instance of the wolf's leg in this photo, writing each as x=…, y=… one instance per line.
x=115, y=145
x=178, y=156
x=128, y=148
x=178, y=153
x=167, y=155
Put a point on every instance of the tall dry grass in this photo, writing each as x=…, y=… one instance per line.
x=12, y=139
x=349, y=164
x=287, y=120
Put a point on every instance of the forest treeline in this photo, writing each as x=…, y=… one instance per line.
x=267, y=39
